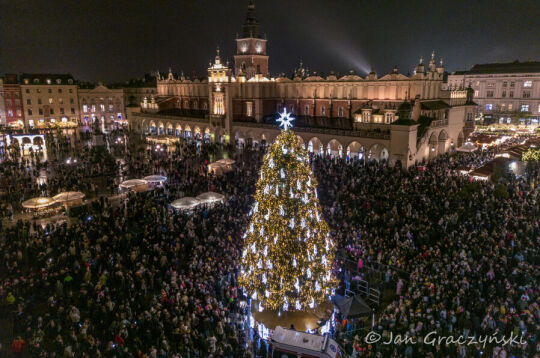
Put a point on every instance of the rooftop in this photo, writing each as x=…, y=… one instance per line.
x=47, y=79
x=509, y=67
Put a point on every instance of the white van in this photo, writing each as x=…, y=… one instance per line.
x=288, y=343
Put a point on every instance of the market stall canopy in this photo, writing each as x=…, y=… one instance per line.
x=467, y=147
x=218, y=168
x=210, y=197
x=38, y=203
x=352, y=306
x=68, y=196
x=226, y=161
x=186, y=203
x=135, y=185
x=155, y=179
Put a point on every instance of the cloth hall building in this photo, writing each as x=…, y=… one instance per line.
x=392, y=117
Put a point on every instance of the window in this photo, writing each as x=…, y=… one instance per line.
x=70, y=90
x=526, y=94
x=72, y=110
x=71, y=101
x=503, y=94
x=102, y=107
x=524, y=108
x=539, y=108
x=511, y=94
x=61, y=110
x=249, y=109
x=28, y=101
x=19, y=113
x=510, y=106
x=323, y=111
x=61, y=100
x=476, y=93
x=512, y=84
x=27, y=90
x=503, y=107
x=505, y=84
x=41, y=111
x=70, y=81
x=489, y=107
x=258, y=68
x=491, y=84
x=38, y=90
x=39, y=101
x=10, y=113
x=36, y=80
x=111, y=107
x=527, y=84
x=50, y=100
x=489, y=94
x=58, y=81
x=340, y=112
x=93, y=108
x=389, y=117
x=52, y=110
x=59, y=90
x=29, y=111
x=49, y=90
x=85, y=108
x=26, y=81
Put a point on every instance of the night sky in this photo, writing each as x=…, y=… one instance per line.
x=122, y=39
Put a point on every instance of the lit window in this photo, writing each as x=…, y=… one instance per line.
x=527, y=84
x=48, y=81
x=102, y=107
x=61, y=100
x=510, y=106
x=524, y=108
x=85, y=108
x=93, y=108
x=323, y=110
x=249, y=109
x=503, y=107
x=306, y=110
x=50, y=100
x=489, y=94
x=489, y=107
x=111, y=107
x=340, y=112
x=490, y=84
x=476, y=93
x=539, y=108
x=31, y=122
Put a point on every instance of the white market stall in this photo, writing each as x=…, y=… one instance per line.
x=38, y=203
x=226, y=161
x=211, y=198
x=69, y=198
x=136, y=185
x=217, y=168
x=467, y=147
x=155, y=180
x=186, y=203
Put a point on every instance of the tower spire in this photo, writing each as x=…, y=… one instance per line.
x=251, y=25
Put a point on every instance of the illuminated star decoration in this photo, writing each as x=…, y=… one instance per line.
x=285, y=119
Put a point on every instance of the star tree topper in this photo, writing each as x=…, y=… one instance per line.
x=285, y=119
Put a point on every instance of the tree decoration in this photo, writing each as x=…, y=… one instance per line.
x=296, y=245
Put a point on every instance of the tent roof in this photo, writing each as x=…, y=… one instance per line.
x=36, y=203
x=68, y=195
x=210, y=197
x=185, y=203
x=352, y=306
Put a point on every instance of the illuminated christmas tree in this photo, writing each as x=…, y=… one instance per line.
x=288, y=252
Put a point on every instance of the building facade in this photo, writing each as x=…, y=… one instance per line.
x=101, y=103
x=393, y=117
x=505, y=92
x=49, y=99
x=3, y=119
x=13, y=101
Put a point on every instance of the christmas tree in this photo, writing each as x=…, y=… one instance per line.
x=288, y=252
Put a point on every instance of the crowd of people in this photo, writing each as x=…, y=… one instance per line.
x=141, y=279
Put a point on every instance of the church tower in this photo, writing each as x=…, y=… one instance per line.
x=251, y=58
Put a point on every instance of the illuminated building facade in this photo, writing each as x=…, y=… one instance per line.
x=505, y=92
x=101, y=103
x=49, y=100
x=3, y=119
x=12, y=101
x=392, y=117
